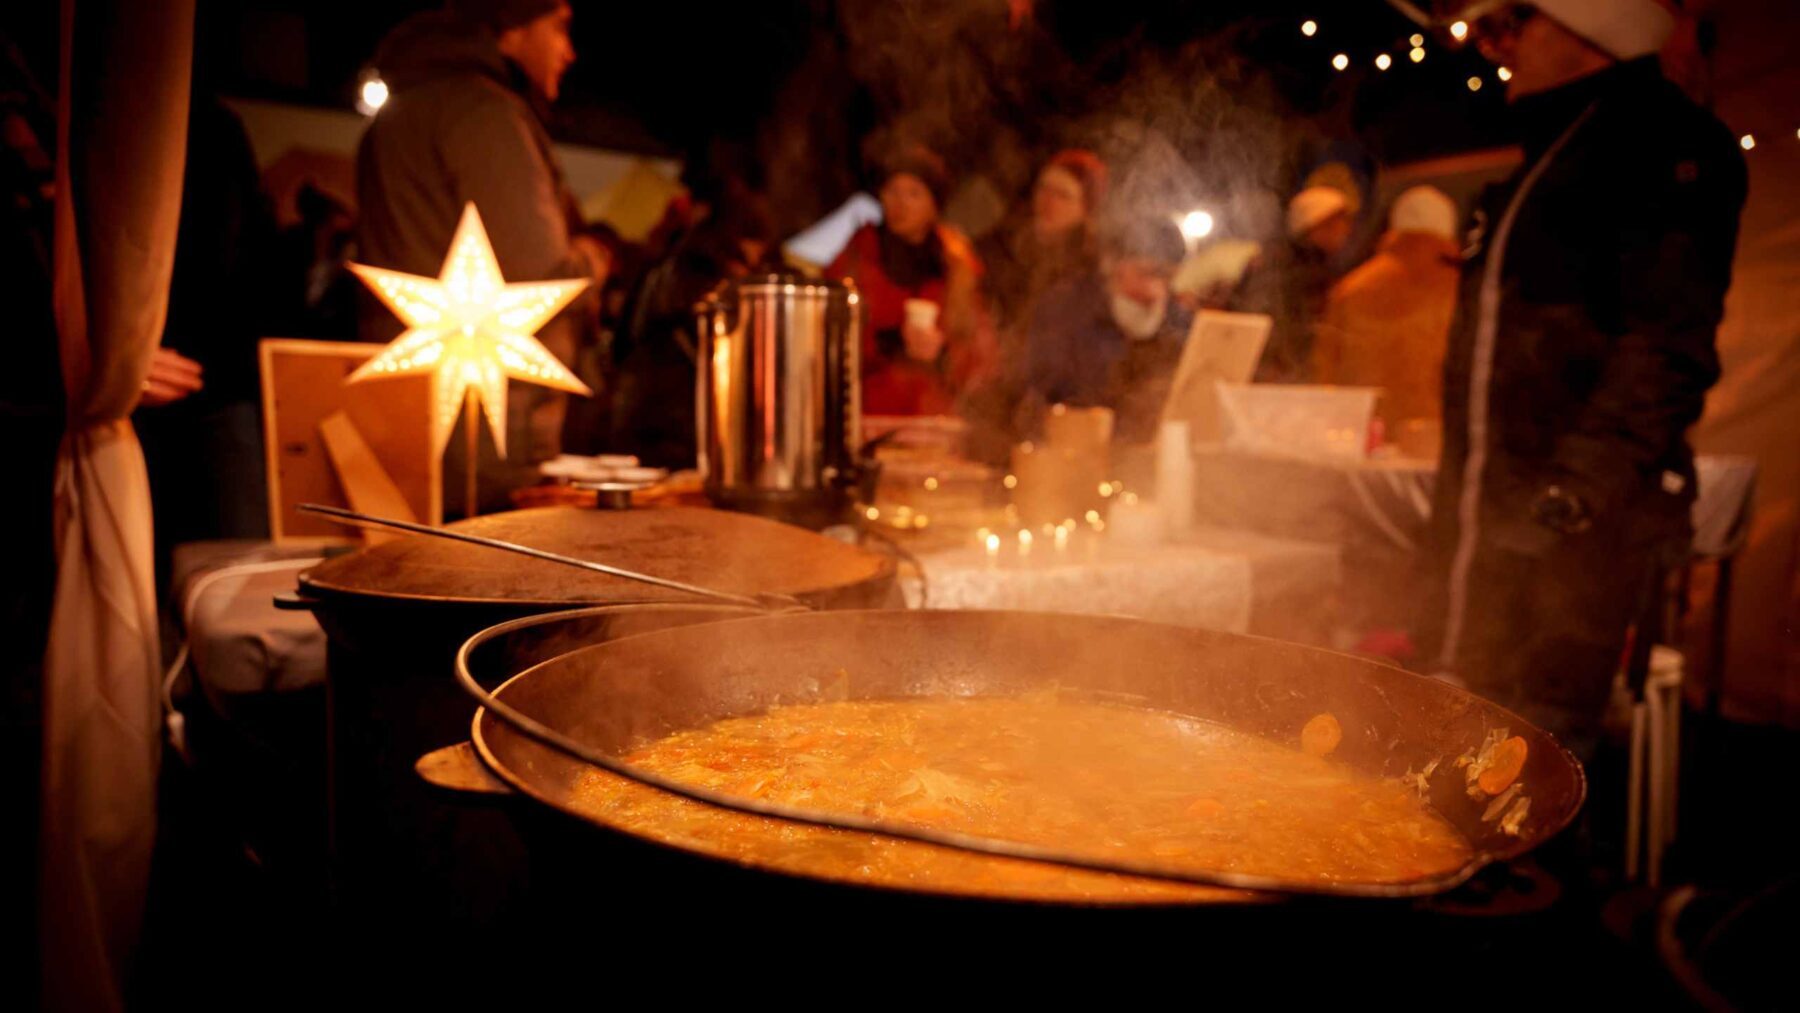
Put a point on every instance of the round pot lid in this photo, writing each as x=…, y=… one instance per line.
x=726, y=551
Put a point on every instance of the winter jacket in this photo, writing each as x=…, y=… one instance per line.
x=1077, y=355
x=460, y=124
x=893, y=384
x=1386, y=322
x=1582, y=351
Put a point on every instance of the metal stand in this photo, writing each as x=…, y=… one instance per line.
x=472, y=445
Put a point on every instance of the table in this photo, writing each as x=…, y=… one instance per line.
x=1376, y=512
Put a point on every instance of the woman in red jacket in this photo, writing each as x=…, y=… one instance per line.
x=910, y=367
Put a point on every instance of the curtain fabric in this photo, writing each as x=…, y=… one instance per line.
x=122, y=126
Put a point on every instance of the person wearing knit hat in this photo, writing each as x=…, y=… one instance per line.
x=925, y=167
x=1068, y=192
x=468, y=89
x=1111, y=338
x=1551, y=41
x=1592, y=288
x=1385, y=322
x=1046, y=239
x=927, y=337
x=1319, y=216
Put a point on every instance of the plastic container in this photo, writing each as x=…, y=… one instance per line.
x=1298, y=420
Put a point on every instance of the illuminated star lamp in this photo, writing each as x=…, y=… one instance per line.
x=471, y=331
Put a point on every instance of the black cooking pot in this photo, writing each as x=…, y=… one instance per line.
x=395, y=614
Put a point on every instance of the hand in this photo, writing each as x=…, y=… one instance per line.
x=923, y=344
x=594, y=254
x=173, y=376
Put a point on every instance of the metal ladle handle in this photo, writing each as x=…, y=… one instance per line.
x=356, y=519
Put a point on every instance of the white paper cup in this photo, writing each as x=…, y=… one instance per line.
x=921, y=312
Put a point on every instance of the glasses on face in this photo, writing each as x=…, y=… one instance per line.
x=1500, y=24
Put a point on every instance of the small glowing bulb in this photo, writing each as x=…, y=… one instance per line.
x=1196, y=225
x=1340, y=61
x=1383, y=62
x=1747, y=141
x=1417, y=55
x=1093, y=516
x=993, y=544
x=872, y=513
x=1504, y=73
x=1417, y=39
x=931, y=484
x=1309, y=28
x=1474, y=84
x=374, y=95
x=1459, y=30
x=1010, y=481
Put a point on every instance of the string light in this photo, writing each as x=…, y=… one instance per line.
x=1504, y=73
x=1309, y=28
x=1383, y=62
x=1417, y=40
x=1340, y=61
x=1474, y=84
x=1747, y=141
x=371, y=96
x=1196, y=225
x=1459, y=30
x=1417, y=54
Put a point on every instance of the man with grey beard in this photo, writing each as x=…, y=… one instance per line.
x=1112, y=337
x=1583, y=349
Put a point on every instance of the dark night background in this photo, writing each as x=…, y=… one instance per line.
x=669, y=78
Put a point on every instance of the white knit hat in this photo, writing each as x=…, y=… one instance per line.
x=1424, y=209
x=1627, y=29
x=1313, y=206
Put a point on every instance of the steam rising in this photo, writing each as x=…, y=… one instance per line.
x=1195, y=128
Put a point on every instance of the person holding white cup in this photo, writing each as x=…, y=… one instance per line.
x=926, y=339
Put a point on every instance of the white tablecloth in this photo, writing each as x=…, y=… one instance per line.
x=1214, y=579
x=1186, y=585
x=1388, y=502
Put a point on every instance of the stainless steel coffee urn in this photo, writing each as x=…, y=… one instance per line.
x=778, y=387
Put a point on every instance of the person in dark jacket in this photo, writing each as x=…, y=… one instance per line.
x=1582, y=351
x=653, y=407
x=1111, y=338
x=469, y=87
x=199, y=420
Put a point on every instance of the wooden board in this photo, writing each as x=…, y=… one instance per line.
x=302, y=386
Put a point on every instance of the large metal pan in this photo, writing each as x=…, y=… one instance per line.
x=643, y=682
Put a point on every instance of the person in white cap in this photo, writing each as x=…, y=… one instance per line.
x=1288, y=281
x=1583, y=348
x=1385, y=323
x=1319, y=217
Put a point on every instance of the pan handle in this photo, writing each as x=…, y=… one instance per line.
x=295, y=601
x=457, y=770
